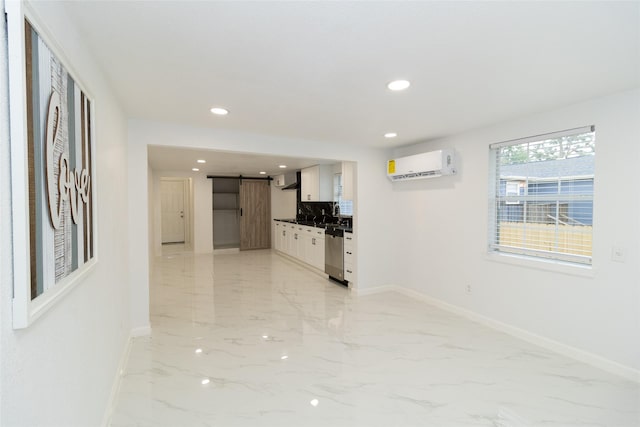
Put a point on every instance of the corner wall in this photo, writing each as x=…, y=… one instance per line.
x=61, y=369
x=444, y=246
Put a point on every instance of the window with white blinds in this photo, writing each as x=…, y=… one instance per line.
x=345, y=206
x=541, y=196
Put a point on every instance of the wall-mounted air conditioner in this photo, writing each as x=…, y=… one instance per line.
x=423, y=165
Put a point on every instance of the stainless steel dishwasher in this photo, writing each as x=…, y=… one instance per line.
x=334, y=254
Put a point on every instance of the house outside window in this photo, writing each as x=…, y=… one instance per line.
x=541, y=196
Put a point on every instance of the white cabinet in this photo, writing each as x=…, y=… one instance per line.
x=291, y=245
x=280, y=238
x=316, y=184
x=349, y=257
x=348, y=180
x=277, y=232
x=304, y=243
x=284, y=179
x=315, y=254
x=301, y=243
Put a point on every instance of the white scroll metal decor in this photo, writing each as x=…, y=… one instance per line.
x=52, y=163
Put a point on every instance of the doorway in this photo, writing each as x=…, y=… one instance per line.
x=174, y=210
x=241, y=213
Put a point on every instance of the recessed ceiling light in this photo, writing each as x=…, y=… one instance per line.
x=201, y=161
x=390, y=135
x=314, y=402
x=285, y=357
x=205, y=381
x=263, y=173
x=195, y=169
x=399, y=84
x=220, y=111
x=198, y=350
x=282, y=166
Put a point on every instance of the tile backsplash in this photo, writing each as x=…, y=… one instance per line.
x=316, y=211
x=320, y=212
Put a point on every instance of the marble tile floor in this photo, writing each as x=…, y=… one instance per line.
x=253, y=339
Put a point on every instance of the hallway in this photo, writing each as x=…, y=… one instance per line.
x=252, y=339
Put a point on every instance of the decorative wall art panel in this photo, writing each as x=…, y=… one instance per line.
x=59, y=143
x=54, y=140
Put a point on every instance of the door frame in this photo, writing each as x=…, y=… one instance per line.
x=188, y=208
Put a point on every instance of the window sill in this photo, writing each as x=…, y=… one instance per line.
x=542, y=264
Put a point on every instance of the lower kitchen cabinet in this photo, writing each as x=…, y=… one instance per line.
x=303, y=243
x=291, y=246
x=315, y=254
x=349, y=257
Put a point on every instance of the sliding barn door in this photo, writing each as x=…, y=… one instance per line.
x=255, y=214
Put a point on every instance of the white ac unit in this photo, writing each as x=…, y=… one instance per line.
x=423, y=165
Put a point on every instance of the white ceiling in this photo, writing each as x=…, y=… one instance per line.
x=164, y=158
x=318, y=70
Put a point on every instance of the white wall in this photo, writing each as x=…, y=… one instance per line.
x=6, y=257
x=283, y=205
x=371, y=225
x=444, y=248
x=60, y=370
x=283, y=202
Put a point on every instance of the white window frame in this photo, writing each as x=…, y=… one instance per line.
x=494, y=248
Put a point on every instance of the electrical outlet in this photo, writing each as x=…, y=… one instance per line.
x=618, y=254
x=468, y=289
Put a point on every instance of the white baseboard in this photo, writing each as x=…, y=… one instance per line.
x=142, y=331
x=226, y=251
x=301, y=263
x=371, y=291
x=552, y=345
x=122, y=365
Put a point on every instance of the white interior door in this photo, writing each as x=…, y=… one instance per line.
x=172, y=211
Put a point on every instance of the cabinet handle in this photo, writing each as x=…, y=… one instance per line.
x=349, y=253
x=313, y=240
x=284, y=232
x=295, y=236
x=308, y=196
x=308, y=231
x=349, y=271
x=349, y=238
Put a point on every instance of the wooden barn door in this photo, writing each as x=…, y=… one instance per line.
x=255, y=214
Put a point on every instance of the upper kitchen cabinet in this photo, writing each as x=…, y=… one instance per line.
x=284, y=179
x=348, y=180
x=317, y=183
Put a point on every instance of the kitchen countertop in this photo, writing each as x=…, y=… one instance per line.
x=316, y=224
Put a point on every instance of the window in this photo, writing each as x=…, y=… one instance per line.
x=541, y=196
x=345, y=206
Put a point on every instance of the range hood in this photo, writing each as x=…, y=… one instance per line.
x=289, y=181
x=293, y=186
